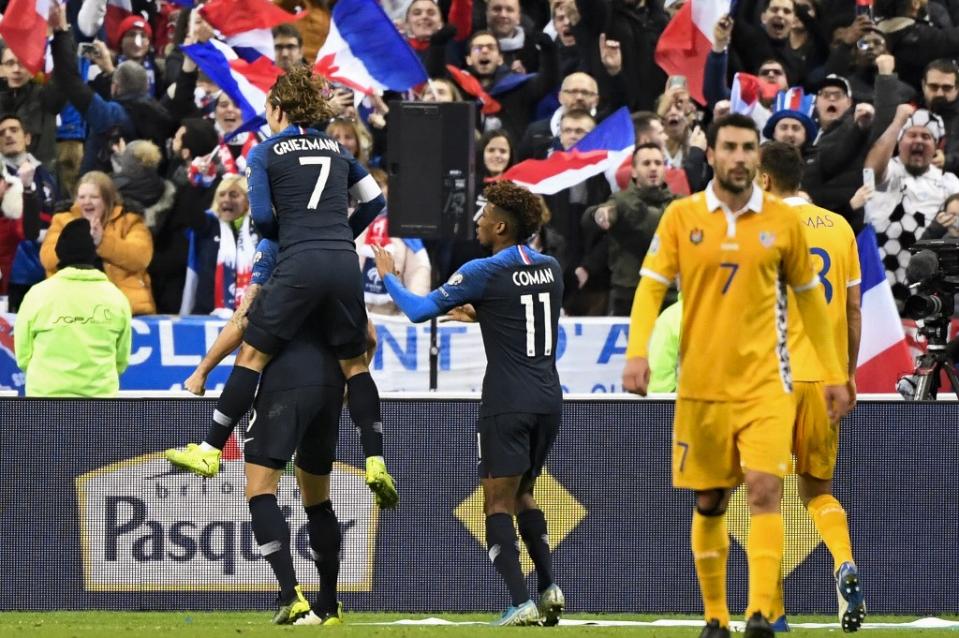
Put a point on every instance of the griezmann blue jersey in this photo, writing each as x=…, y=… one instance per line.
x=300, y=182
x=517, y=294
x=307, y=360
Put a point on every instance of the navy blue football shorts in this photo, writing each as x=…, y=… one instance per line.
x=320, y=285
x=515, y=443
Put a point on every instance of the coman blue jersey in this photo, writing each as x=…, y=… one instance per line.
x=517, y=294
x=300, y=182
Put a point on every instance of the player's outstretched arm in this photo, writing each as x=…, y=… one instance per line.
x=226, y=342
x=415, y=307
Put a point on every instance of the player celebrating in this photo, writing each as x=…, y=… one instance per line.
x=516, y=296
x=308, y=178
x=816, y=438
x=297, y=408
x=734, y=249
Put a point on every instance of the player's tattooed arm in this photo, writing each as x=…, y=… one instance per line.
x=226, y=342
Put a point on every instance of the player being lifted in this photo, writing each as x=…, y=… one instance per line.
x=516, y=296
x=734, y=249
x=300, y=183
x=816, y=438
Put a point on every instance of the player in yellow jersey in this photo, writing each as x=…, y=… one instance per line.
x=734, y=249
x=816, y=441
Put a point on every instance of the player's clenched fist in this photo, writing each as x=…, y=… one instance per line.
x=636, y=375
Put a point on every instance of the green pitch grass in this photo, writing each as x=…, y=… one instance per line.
x=90, y=624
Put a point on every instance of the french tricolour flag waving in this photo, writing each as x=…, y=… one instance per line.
x=24, y=29
x=603, y=150
x=686, y=41
x=247, y=83
x=883, y=352
x=365, y=52
x=246, y=24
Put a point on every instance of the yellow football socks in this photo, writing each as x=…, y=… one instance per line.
x=764, y=553
x=830, y=519
x=710, y=543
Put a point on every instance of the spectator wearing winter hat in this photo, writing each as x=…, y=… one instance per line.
x=122, y=240
x=72, y=334
x=131, y=41
x=910, y=190
x=791, y=121
x=194, y=173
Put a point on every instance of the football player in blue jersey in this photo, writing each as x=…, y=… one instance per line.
x=300, y=183
x=515, y=295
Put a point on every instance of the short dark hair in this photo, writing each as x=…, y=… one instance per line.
x=287, y=30
x=476, y=34
x=766, y=4
x=642, y=120
x=733, y=120
x=943, y=65
x=783, y=163
x=13, y=116
x=648, y=145
x=523, y=207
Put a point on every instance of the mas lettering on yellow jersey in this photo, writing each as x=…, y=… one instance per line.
x=832, y=246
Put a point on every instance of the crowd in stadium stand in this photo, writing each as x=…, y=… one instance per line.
x=127, y=133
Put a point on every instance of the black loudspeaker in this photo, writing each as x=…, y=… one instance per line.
x=431, y=149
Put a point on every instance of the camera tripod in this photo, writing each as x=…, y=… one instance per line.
x=933, y=362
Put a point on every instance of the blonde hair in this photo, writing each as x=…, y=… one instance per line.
x=229, y=181
x=146, y=153
x=108, y=190
x=364, y=140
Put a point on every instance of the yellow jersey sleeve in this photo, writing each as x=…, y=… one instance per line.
x=662, y=258
x=659, y=270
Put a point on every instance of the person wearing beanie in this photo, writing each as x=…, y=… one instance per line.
x=122, y=240
x=72, y=334
x=792, y=122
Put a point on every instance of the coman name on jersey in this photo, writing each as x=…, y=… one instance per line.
x=533, y=277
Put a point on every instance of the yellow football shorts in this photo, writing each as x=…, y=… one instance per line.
x=715, y=442
x=816, y=440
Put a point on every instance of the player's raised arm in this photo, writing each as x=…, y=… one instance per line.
x=659, y=270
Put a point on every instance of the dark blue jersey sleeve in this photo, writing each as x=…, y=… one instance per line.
x=264, y=261
x=261, y=200
x=465, y=286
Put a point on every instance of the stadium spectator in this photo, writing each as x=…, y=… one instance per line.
x=11, y=225
x=565, y=19
x=314, y=26
x=912, y=39
x=233, y=151
x=123, y=243
x=353, y=136
x=131, y=114
x=635, y=27
x=833, y=100
x=516, y=93
x=141, y=187
x=946, y=223
x=580, y=92
x=630, y=218
x=409, y=256
x=72, y=333
x=36, y=104
x=438, y=44
x=516, y=44
x=287, y=46
x=195, y=140
x=495, y=151
x=756, y=40
x=858, y=54
x=223, y=250
x=791, y=121
x=132, y=42
x=910, y=190
x=441, y=90
x=940, y=92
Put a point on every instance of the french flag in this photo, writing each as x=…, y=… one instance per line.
x=365, y=52
x=246, y=25
x=883, y=352
x=247, y=83
x=686, y=41
x=24, y=29
x=603, y=150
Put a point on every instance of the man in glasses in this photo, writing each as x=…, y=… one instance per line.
x=579, y=91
